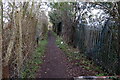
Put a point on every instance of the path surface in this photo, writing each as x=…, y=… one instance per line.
x=56, y=65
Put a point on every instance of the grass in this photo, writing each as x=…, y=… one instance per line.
x=101, y=74
x=78, y=58
x=33, y=64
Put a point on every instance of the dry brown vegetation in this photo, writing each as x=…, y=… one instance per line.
x=20, y=36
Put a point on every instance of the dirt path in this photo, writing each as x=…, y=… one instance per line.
x=56, y=65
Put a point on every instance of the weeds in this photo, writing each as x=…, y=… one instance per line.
x=33, y=64
x=79, y=58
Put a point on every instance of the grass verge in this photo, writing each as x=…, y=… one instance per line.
x=77, y=58
x=32, y=65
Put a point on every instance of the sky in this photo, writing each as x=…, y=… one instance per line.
x=46, y=8
x=66, y=0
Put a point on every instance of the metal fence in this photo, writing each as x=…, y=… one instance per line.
x=101, y=45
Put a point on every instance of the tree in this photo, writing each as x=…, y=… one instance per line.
x=1, y=32
x=19, y=40
x=62, y=18
x=95, y=29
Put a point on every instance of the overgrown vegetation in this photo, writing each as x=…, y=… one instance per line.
x=23, y=24
x=77, y=58
x=33, y=64
x=92, y=28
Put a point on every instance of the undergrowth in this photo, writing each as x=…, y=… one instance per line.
x=32, y=65
x=78, y=59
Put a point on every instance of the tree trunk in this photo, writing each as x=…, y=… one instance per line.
x=9, y=49
x=1, y=35
x=5, y=71
x=68, y=29
x=20, y=54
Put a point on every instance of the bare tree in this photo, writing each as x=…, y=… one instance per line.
x=21, y=41
x=1, y=30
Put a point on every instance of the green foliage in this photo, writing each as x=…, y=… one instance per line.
x=61, y=44
x=80, y=58
x=55, y=17
x=33, y=64
x=101, y=74
x=107, y=43
x=58, y=11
